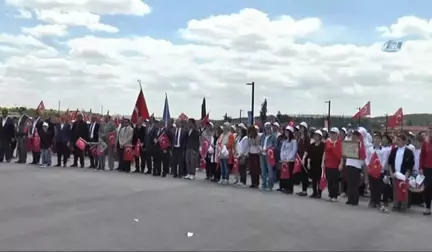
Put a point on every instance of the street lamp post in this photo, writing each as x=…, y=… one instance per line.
x=328, y=114
x=253, y=100
x=240, y=118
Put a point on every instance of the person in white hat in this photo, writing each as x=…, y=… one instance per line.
x=332, y=163
x=254, y=152
x=276, y=129
x=46, y=141
x=268, y=140
x=313, y=158
x=225, y=151
x=241, y=151
x=288, y=152
x=303, y=146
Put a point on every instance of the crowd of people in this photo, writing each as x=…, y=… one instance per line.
x=238, y=151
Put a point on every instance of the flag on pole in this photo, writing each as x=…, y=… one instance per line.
x=396, y=119
x=364, y=111
x=166, y=113
x=40, y=108
x=203, y=109
x=140, y=109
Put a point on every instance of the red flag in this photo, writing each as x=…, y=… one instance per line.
x=364, y=111
x=204, y=148
x=396, y=119
x=40, y=107
x=140, y=109
x=128, y=153
x=206, y=119
x=236, y=166
x=292, y=124
x=297, y=165
x=138, y=148
x=183, y=117
x=270, y=156
x=81, y=143
x=374, y=167
x=285, y=172
x=401, y=190
x=36, y=142
x=203, y=163
x=164, y=141
x=323, y=181
x=111, y=138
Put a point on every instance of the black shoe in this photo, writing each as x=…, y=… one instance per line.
x=136, y=171
x=57, y=165
x=163, y=175
x=74, y=165
x=427, y=212
x=147, y=173
x=175, y=176
x=348, y=203
x=91, y=167
x=302, y=194
x=313, y=196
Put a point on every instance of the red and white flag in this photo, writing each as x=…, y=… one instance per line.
x=364, y=111
x=183, y=117
x=140, y=109
x=396, y=119
x=41, y=107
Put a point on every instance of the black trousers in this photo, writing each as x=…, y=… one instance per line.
x=215, y=172
x=178, y=161
x=376, y=186
x=94, y=161
x=157, y=162
x=315, y=174
x=78, y=155
x=304, y=179
x=254, y=168
x=36, y=157
x=332, y=176
x=208, y=168
x=124, y=165
x=13, y=147
x=427, y=193
x=149, y=160
x=63, y=153
x=353, y=180
x=5, y=150
x=287, y=184
x=140, y=165
x=166, y=160
x=243, y=172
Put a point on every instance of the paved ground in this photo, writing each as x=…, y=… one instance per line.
x=80, y=209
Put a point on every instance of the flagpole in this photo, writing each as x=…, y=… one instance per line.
x=386, y=123
x=139, y=82
x=359, y=115
x=59, y=102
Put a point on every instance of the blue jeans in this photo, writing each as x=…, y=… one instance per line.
x=224, y=169
x=267, y=176
x=46, y=156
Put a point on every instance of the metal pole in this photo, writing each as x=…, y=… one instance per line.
x=386, y=123
x=101, y=110
x=59, y=102
x=253, y=100
x=240, y=118
x=329, y=113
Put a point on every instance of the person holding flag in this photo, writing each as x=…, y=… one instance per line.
x=107, y=131
x=139, y=139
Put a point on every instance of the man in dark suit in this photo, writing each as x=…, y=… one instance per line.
x=140, y=134
x=62, y=139
x=94, y=138
x=192, y=149
x=178, y=150
x=166, y=155
x=151, y=131
x=22, y=131
x=79, y=129
x=7, y=133
x=36, y=127
x=401, y=160
x=157, y=150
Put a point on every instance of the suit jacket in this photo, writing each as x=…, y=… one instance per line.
x=193, y=140
x=7, y=131
x=95, y=137
x=150, y=136
x=139, y=133
x=183, y=138
x=271, y=141
x=79, y=129
x=104, y=129
x=407, y=162
x=63, y=135
x=36, y=126
x=125, y=136
x=23, y=124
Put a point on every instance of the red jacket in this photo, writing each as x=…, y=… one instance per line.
x=332, y=154
x=426, y=156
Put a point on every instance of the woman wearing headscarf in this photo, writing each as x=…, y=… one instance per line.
x=241, y=152
x=332, y=163
x=254, y=150
x=314, y=158
x=288, y=152
x=303, y=145
x=325, y=133
x=211, y=155
x=225, y=152
x=268, y=140
x=425, y=169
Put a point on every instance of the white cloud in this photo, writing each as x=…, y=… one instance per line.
x=408, y=25
x=218, y=56
x=46, y=31
x=24, y=14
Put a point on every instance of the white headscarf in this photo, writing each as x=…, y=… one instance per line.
x=367, y=141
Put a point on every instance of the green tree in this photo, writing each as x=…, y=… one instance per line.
x=225, y=118
x=263, y=112
x=279, y=116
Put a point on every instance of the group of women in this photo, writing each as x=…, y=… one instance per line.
x=320, y=154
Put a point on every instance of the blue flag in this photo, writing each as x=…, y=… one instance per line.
x=166, y=113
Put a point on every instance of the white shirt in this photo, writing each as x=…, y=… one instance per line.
x=242, y=146
x=265, y=142
x=417, y=159
x=355, y=163
x=34, y=125
x=382, y=154
x=91, y=130
x=61, y=126
x=178, y=134
x=288, y=150
x=399, y=158
x=411, y=147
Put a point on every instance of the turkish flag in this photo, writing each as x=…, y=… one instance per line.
x=128, y=153
x=164, y=142
x=374, y=167
x=138, y=148
x=40, y=108
x=323, y=181
x=93, y=151
x=29, y=144
x=203, y=163
x=111, y=138
x=292, y=124
x=204, y=148
x=206, y=119
x=140, y=109
x=401, y=190
x=285, y=172
x=236, y=164
x=396, y=119
x=364, y=111
x=362, y=150
x=297, y=165
x=36, y=142
x=271, y=156
x=183, y=117
x=81, y=143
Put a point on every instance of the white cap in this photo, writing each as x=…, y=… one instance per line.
x=241, y=125
x=334, y=130
x=297, y=127
x=256, y=127
x=233, y=127
x=318, y=132
x=290, y=128
x=325, y=129
x=344, y=130
x=45, y=124
x=211, y=124
x=276, y=124
x=304, y=124
x=227, y=124
x=267, y=124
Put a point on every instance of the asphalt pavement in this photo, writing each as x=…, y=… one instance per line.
x=82, y=209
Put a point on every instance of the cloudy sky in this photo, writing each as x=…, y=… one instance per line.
x=90, y=53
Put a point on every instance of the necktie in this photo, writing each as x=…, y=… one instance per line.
x=176, y=137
